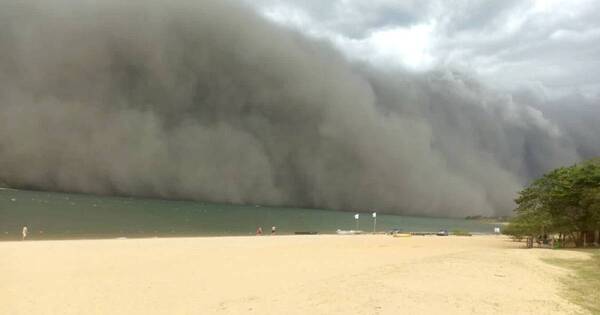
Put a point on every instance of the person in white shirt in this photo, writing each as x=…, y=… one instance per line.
x=24, y=232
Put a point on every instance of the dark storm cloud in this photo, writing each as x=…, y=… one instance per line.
x=208, y=101
x=575, y=113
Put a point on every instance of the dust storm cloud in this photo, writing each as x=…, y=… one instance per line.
x=206, y=100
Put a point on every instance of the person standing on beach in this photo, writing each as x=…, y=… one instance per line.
x=273, y=230
x=24, y=232
x=259, y=231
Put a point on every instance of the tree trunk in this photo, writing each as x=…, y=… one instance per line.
x=573, y=236
x=559, y=241
x=596, y=237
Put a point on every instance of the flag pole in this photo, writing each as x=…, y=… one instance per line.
x=374, y=222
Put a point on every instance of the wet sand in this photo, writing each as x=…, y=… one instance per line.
x=324, y=274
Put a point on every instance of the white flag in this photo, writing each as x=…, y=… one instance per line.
x=356, y=216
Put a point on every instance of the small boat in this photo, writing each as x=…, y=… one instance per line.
x=401, y=235
x=349, y=232
x=394, y=231
x=442, y=233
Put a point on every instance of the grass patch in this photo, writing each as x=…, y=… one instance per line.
x=582, y=287
x=461, y=233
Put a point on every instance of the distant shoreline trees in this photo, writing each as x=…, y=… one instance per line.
x=562, y=205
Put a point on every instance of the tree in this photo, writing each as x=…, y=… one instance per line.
x=565, y=201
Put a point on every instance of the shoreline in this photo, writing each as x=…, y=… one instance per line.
x=102, y=237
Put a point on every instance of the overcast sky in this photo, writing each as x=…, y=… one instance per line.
x=551, y=46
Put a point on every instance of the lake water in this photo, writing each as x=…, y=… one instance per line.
x=64, y=215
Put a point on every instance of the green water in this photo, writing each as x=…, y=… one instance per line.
x=63, y=215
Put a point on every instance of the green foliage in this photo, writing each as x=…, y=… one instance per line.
x=566, y=201
x=461, y=232
x=516, y=229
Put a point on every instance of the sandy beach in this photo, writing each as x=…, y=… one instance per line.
x=325, y=274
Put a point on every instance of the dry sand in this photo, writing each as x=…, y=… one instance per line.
x=328, y=274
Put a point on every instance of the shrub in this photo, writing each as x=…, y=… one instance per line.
x=461, y=233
